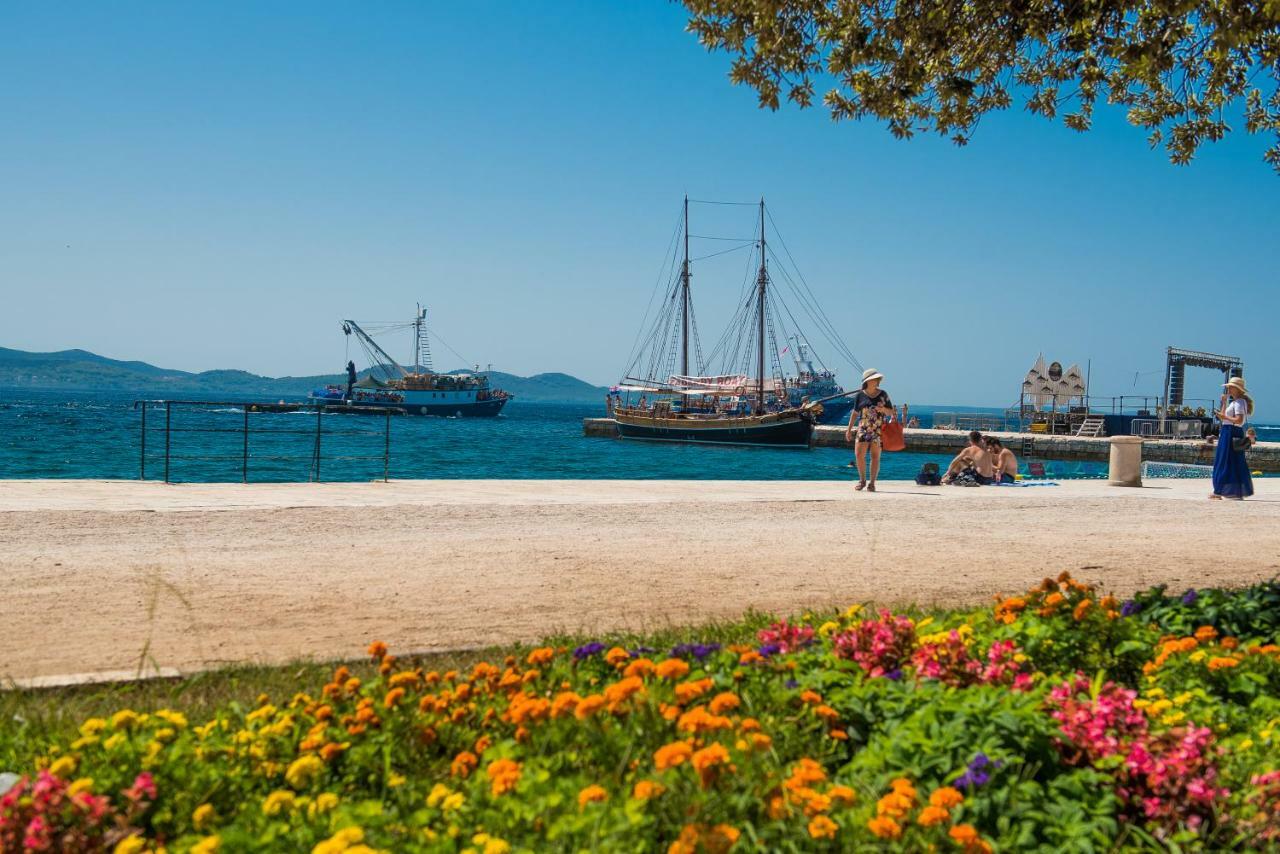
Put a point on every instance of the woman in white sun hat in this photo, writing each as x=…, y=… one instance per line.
x=1230, y=468
x=871, y=408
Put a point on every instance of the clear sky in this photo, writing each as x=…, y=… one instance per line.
x=211, y=185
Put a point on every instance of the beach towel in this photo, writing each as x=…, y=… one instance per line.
x=1023, y=483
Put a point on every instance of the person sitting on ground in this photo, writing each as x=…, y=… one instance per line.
x=973, y=461
x=1004, y=462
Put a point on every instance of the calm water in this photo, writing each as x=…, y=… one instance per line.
x=70, y=435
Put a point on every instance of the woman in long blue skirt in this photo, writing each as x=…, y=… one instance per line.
x=1230, y=468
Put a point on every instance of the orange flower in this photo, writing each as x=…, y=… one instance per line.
x=620, y=691
x=842, y=795
x=1221, y=663
x=885, y=828
x=1082, y=608
x=1053, y=600
x=699, y=720
x=616, y=656
x=1204, y=634
x=1229, y=643
x=589, y=706
x=591, y=795
x=672, y=668
x=331, y=751
x=827, y=713
x=749, y=725
x=377, y=650
x=671, y=755
x=749, y=658
x=482, y=744
x=687, y=692
x=821, y=827
x=963, y=833
x=707, y=762
x=646, y=789
x=394, y=696
x=564, y=704
x=810, y=697
x=931, y=815
x=720, y=838
x=504, y=774
x=641, y=668
x=946, y=797
x=540, y=656
x=806, y=771
x=404, y=677
x=839, y=735
x=1008, y=610
x=463, y=764
x=760, y=741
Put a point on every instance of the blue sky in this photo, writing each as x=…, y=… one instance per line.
x=209, y=185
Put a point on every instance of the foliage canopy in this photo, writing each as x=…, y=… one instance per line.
x=1182, y=68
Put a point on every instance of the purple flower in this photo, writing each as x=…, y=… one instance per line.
x=769, y=649
x=1129, y=608
x=1190, y=597
x=588, y=650
x=978, y=773
x=895, y=674
x=641, y=650
x=694, y=650
x=791, y=684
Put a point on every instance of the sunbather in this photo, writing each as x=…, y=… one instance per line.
x=973, y=461
x=1005, y=463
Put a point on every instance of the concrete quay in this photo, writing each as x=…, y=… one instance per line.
x=1264, y=457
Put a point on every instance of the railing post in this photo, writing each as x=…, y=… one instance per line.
x=386, y=449
x=168, y=411
x=142, y=461
x=317, y=450
x=244, y=464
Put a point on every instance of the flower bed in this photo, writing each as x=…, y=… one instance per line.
x=1059, y=718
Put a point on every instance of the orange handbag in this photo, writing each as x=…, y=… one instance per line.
x=891, y=438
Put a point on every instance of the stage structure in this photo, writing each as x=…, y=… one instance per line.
x=1175, y=374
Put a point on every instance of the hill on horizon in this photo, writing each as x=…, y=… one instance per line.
x=81, y=370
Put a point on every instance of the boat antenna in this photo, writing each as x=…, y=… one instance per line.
x=684, y=288
x=760, y=287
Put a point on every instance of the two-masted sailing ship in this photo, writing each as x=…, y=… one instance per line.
x=420, y=391
x=749, y=402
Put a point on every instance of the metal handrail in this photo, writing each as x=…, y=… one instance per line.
x=253, y=407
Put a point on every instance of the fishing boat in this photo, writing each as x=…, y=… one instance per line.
x=421, y=391
x=744, y=407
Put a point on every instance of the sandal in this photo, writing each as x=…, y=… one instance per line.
x=862, y=484
x=871, y=487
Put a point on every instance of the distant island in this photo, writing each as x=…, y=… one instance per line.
x=80, y=370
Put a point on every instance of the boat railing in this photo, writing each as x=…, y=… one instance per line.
x=250, y=440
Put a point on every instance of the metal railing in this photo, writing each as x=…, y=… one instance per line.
x=272, y=438
x=984, y=422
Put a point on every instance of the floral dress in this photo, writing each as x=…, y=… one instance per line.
x=870, y=421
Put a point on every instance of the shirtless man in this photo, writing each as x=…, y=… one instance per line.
x=1004, y=462
x=975, y=458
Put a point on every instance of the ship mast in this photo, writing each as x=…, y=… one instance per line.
x=760, y=287
x=684, y=288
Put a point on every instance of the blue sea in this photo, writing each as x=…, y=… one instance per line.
x=93, y=435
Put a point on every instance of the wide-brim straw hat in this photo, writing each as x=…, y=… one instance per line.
x=1237, y=383
x=870, y=374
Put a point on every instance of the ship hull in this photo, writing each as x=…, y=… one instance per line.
x=836, y=411
x=776, y=433
x=461, y=409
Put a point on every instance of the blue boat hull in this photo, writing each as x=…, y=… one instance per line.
x=471, y=409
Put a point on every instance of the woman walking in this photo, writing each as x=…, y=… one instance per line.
x=1230, y=468
x=871, y=408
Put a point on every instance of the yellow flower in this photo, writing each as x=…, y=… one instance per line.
x=63, y=767
x=177, y=720
x=1246, y=744
x=394, y=781
x=113, y=741
x=203, y=817
x=925, y=622
x=84, y=784
x=277, y=802
x=828, y=628
x=438, y=793
x=207, y=845
x=1198, y=656
x=1173, y=718
x=304, y=770
x=131, y=844
x=341, y=841
x=124, y=719
x=852, y=611
x=326, y=801
x=92, y=727
x=453, y=802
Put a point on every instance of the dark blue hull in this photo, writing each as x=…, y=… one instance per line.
x=796, y=433
x=477, y=409
x=836, y=411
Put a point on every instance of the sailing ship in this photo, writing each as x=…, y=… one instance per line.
x=750, y=406
x=420, y=391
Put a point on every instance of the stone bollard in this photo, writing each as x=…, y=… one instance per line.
x=1126, y=461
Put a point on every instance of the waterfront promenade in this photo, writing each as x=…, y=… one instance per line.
x=201, y=575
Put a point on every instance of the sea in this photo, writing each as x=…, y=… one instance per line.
x=98, y=435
